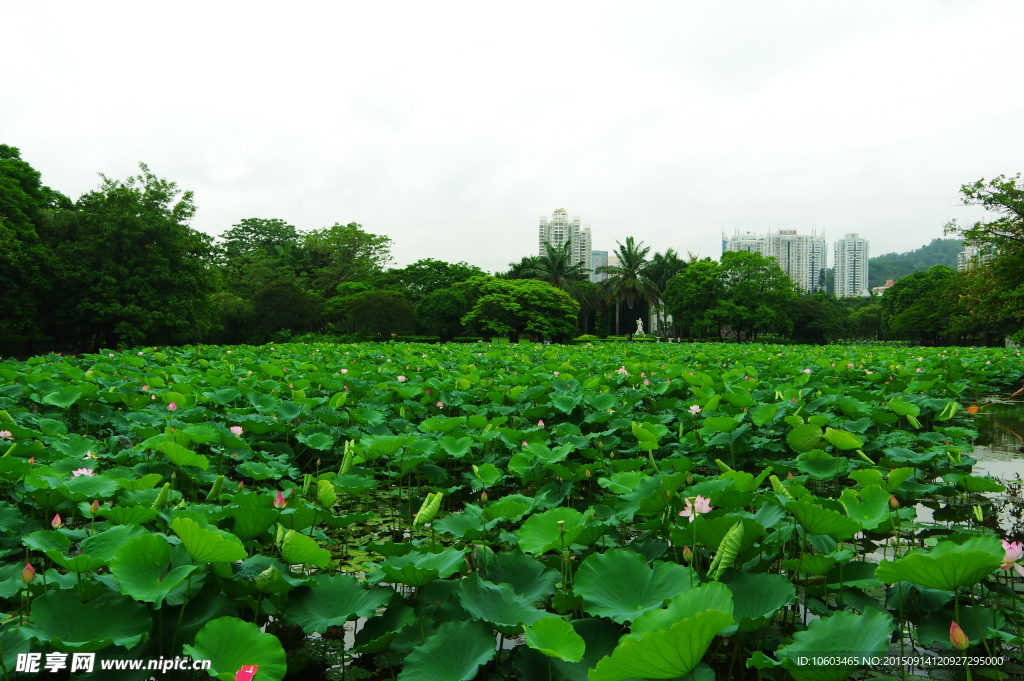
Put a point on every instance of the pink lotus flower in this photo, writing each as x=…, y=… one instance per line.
x=237, y=431
x=173, y=406
x=28, y=575
x=344, y=371
x=401, y=379
x=556, y=373
x=6, y=435
x=957, y=637
x=807, y=371
x=540, y=423
x=82, y=471
x=694, y=409
x=647, y=382
x=279, y=500
x=622, y=370
x=1014, y=552
x=139, y=353
x=440, y=404
x=56, y=522
x=524, y=443
x=695, y=506
x=145, y=388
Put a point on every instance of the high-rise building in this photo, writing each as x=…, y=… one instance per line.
x=561, y=229
x=803, y=257
x=598, y=259
x=851, y=266
x=973, y=256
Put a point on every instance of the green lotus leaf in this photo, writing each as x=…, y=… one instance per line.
x=63, y=398
x=764, y=414
x=903, y=408
x=758, y=596
x=620, y=585
x=542, y=532
x=817, y=564
x=840, y=439
x=556, y=638
x=804, y=438
x=663, y=654
x=527, y=576
x=842, y=634
x=462, y=525
x=106, y=544
x=230, y=644
x=454, y=653
x=456, y=447
x=181, y=456
x=297, y=548
x=622, y=482
x=720, y=424
x=320, y=441
x=288, y=411
x=818, y=520
x=207, y=546
x=252, y=522
x=61, y=620
x=376, y=635
x=128, y=515
x=487, y=474
x=334, y=601
x=870, y=508
x=46, y=540
x=511, y=507
x=711, y=596
x=80, y=563
x=144, y=568
x=821, y=465
x=89, y=487
x=201, y=434
x=497, y=604
x=947, y=567
x=419, y=569
x=976, y=484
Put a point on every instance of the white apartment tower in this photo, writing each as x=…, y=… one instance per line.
x=561, y=229
x=802, y=257
x=851, y=266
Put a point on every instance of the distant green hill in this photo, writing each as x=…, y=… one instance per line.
x=896, y=265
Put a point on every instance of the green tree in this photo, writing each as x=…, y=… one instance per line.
x=916, y=306
x=818, y=319
x=380, y=313
x=132, y=270
x=758, y=294
x=343, y=253
x=425, y=276
x=660, y=272
x=440, y=312
x=519, y=306
x=258, y=234
x=693, y=297
x=555, y=266
x=527, y=268
x=630, y=280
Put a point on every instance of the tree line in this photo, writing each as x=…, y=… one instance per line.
x=122, y=266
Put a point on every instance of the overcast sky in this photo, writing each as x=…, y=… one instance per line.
x=452, y=127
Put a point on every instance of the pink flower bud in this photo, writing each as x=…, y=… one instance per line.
x=957, y=637
x=94, y=507
x=894, y=502
x=172, y=407
x=56, y=522
x=540, y=423
x=483, y=496
x=28, y=575
x=687, y=554
x=279, y=500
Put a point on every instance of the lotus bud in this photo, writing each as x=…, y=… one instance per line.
x=894, y=502
x=241, y=485
x=31, y=460
x=94, y=507
x=173, y=406
x=56, y=522
x=789, y=476
x=483, y=496
x=687, y=554
x=218, y=484
x=689, y=479
x=957, y=637
x=279, y=500
x=28, y=575
x=586, y=472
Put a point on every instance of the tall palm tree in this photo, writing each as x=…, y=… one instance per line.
x=630, y=279
x=556, y=267
x=524, y=269
x=661, y=270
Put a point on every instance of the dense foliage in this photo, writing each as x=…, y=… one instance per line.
x=895, y=266
x=633, y=510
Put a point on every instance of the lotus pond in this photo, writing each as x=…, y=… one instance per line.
x=604, y=512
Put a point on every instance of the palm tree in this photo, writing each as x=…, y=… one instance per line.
x=556, y=267
x=661, y=270
x=524, y=269
x=631, y=277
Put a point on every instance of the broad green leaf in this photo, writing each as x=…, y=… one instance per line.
x=106, y=544
x=527, y=576
x=818, y=520
x=842, y=634
x=207, y=546
x=230, y=643
x=720, y=424
x=840, y=439
x=181, y=456
x=320, y=441
x=556, y=638
x=870, y=509
x=711, y=596
x=419, y=569
x=948, y=566
x=456, y=447
x=334, y=601
x=664, y=654
x=63, y=398
x=132, y=515
x=758, y=596
x=804, y=438
x=498, y=605
x=620, y=585
x=454, y=653
x=764, y=414
x=297, y=549
x=143, y=567
x=89, y=487
x=61, y=620
x=252, y=522
x=903, y=408
x=542, y=532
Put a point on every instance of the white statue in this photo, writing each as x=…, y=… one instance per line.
x=639, y=327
